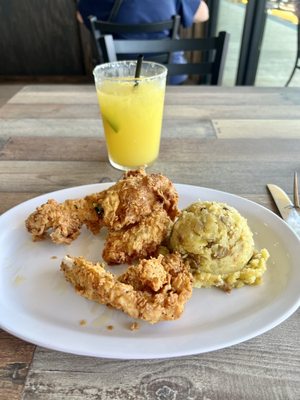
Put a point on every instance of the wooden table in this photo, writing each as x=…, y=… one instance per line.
x=231, y=139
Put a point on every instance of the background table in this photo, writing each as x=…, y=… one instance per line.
x=231, y=139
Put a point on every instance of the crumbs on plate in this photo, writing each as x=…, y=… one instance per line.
x=110, y=327
x=134, y=326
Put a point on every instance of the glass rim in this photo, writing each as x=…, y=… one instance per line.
x=119, y=78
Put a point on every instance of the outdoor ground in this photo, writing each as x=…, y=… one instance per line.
x=278, y=52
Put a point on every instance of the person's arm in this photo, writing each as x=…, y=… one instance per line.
x=202, y=14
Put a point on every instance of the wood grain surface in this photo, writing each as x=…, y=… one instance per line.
x=231, y=139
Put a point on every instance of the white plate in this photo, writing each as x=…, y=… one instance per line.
x=38, y=305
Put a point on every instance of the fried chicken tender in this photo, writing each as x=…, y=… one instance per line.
x=137, y=241
x=154, y=290
x=126, y=203
x=63, y=220
x=133, y=198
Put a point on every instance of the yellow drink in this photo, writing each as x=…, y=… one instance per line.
x=132, y=118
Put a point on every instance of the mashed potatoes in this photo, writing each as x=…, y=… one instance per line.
x=218, y=245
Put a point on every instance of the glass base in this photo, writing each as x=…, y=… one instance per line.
x=128, y=168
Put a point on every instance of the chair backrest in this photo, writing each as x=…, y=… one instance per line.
x=213, y=69
x=101, y=28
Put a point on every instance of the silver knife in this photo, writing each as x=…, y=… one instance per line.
x=286, y=208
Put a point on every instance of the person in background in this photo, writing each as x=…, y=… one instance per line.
x=145, y=11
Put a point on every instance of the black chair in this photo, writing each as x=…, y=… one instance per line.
x=297, y=62
x=213, y=49
x=101, y=28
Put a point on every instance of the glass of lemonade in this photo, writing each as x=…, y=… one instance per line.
x=131, y=110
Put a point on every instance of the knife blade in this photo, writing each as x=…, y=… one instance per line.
x=285, y=207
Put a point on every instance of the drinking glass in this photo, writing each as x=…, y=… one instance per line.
x=131, y=110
